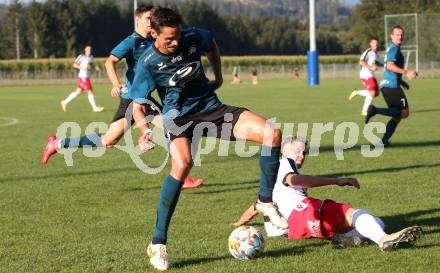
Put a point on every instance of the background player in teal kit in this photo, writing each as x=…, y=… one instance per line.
x=173, y=66
x=391, y=83
x=131, y=49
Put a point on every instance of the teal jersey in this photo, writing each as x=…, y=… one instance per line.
x=131, y=48
x=179, y=78
x=391, y=79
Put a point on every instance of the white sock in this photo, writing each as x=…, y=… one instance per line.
x=367, y=225
x=363, y=93
x=355, y=232
x=367, y=102
x=70, y=98
x=92, y=100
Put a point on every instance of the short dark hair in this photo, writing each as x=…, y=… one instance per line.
x=374, y=38
x=165, y=17
x=396, y=27
x=142, y=9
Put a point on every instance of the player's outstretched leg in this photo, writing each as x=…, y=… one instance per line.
x=251, y=126
x=353, y=94
x=53, y=144
x=368, y=226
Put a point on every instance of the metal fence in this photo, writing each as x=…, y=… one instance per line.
x=326, y=71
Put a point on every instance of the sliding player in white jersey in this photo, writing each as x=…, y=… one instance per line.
x=309, y=217
x=84, y=63
x=369, y=62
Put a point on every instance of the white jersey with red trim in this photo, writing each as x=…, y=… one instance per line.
x=370, y=57
x=288, y=198
x=84, y=62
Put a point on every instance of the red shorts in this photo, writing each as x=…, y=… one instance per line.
x=318, y=218
x=84, y=84
x=371, y=85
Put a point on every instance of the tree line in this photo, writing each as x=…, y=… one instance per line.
x=60, y=28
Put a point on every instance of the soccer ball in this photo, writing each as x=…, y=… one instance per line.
x=245, y=243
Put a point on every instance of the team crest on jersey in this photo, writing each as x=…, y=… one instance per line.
x=192, y=49
x=185, y=74
x=301, y=206
x=161, y=65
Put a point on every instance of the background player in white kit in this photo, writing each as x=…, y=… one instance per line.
x=369, y=62
x=84, y=63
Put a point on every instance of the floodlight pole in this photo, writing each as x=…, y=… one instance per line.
x=135, y=5
x=312, y=54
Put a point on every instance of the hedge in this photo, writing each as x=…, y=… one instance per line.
x=42, y=65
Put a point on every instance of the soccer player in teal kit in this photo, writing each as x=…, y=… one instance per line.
x=173, y=66
x=390, y=85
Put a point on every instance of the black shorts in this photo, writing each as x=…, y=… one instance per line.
x=218, y=123
x=153, y=108
x=395, y=98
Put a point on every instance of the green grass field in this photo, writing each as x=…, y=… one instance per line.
x=98, y=215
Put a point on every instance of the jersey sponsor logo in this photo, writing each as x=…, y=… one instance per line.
x=185, y=73
x=177, y=59
x=148, y=57
x=314, y=227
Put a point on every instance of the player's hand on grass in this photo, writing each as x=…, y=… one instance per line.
x=349, y=182
x=405, y=85
x=116, y=90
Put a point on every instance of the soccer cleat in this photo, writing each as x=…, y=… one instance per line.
x=342, y=240
x=409, y=234
x=50, y=149
x=271, y=210
x=371, y=111
x=192, y=183
x=98, y=109
x=352, y=94
x=64, y=106
x=158, y=256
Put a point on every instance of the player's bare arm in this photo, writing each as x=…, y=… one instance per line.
x=393, y=67
x=110, y=67
x=215, y=62
x=309, y=181
x=76, y=66
x=366, y=65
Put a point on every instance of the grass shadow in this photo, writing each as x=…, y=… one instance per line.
x=390, y=169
